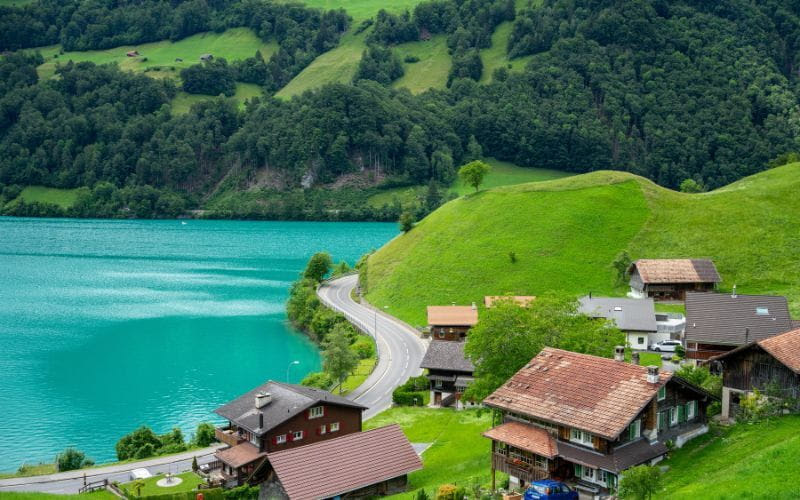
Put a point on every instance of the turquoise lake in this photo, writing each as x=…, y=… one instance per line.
x=109, y=325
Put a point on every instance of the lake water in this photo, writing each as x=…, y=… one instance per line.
x=109, y=325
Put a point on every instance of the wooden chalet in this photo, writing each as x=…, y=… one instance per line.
x=585, y=419
x=670, y=279
x=717, y=323
x=771, y=366
x=359, y=465
x=451, y=322
x=449, y=373
x=275, y=417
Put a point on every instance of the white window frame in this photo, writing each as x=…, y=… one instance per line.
x=334, y=427
x=590, y=476
x=640, y=340
x=323, y=429
x=316, y=412
x=673, y=416
x=690, y=410
x=280, y=439
x=581, y=437
x=297, y=435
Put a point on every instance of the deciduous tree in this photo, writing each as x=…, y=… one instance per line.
x=338, y=359
x=473, y=173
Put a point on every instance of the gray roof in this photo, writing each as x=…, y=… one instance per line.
x=288, y=400
x=627, y=314
x=718, y=318
x=447, y=355
x=621, y=458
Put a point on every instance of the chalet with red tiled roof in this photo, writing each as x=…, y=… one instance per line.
x=585, y=419
x=771, y=366
x=671, y=278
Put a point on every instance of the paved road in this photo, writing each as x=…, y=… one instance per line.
x=71, y=482
x=400, y=352
x=400, y=349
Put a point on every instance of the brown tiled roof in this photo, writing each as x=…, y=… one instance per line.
x=785, y=348
x=677, y=271
x=598, y=395
x=239, y=455
x=344, y=464
x=522, y=300
x=447, y=355
x=452, y=316
x=526, y=437
x=721, y=318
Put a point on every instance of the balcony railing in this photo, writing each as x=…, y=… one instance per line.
x=519, y=468
x=228, y=436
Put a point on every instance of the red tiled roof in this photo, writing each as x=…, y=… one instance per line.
x=239, y=455
x=452, y=316
x=677, y=271
x=526, y=437
x=521, y=300
x=598, y=395
x=785, y=348
x=344, y=464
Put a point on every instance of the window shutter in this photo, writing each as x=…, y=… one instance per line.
x=681, y=414
x=578, y=470
x=275, y=439
x=290, y=436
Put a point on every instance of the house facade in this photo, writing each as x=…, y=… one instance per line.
x=585, y=419
x=275, y=417
x=451, y=322
x=449, y=373
x=771, y=366
x=717, y=323
x=636, y=318
x=670, y=279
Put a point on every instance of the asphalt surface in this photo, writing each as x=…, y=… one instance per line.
x=400, y=349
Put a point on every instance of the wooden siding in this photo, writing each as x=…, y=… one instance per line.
x=349, y=421
x=754, y=368
x=455, y=333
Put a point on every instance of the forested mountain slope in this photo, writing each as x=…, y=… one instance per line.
x=667, y=89
x=567, y=234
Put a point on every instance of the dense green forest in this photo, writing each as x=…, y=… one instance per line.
x=671, y=90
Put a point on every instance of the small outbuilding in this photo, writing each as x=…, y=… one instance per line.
x=670, y=279
x=132, y=53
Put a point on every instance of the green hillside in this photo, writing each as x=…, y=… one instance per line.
x=745, y=461
x=566, y=233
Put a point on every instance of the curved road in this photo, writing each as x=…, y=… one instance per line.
x=400, y=352
x=400, y=349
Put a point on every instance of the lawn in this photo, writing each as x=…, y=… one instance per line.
x=189, y=483
x=64, y=198
x=744, y=461
x=159, y=58
x=363, y=9
x=496, y=56
x=459, y=453
x=567, y=232
x=184, y=101
x=359, y=375
x=31, y=470
x=431, y=71
x=95, y=495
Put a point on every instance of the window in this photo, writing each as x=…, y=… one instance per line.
x=297, y=435
x=662, y=393
x=579, y=436
x=635, y=429
x=441, y=334
x=673, y=416
x=602, y=476
x=438, y=384
x=322, y=429
x=540, y=462
x=280, y=439
x=316, y=412
x=334, y=427
x=588, y=473
x=661, y=418
x=762, y=311
x=640, y=340
x=690, y=410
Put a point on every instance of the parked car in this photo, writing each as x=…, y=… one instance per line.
x=665, y=345
x=547, y=489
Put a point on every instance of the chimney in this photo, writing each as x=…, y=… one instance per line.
x=733, y=293
x=619, y=353
x=652, y=374
x=474, y=307
x=263, y=399
x=260, y=420
x=635, y=358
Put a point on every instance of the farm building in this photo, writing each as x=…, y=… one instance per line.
x=670, y=279
x=451, y=322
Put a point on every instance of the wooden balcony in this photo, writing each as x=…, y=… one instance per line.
x=227, y=436
x=526, y=471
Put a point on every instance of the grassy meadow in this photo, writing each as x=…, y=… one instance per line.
x=64, y=198
x=744, y=461
x=567, y=232
x=458, y=454
x=431, y=71
x=496, y=56
x=182, y=102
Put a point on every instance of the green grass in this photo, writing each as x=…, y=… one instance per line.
x=31, y=470
x=645, y=358
x=95, y=495
x=459, y=453
x=496, y=56
x=670, y=308
x=64, y=198
x=233, y=44
x=359, y=375
x=363, y=9
x=431, y=71
x=338, y=65
x=744, y=461
x=184, y=101
x=567, y=232
x=189, y=483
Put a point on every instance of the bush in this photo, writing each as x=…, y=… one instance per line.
x=411, y=59
x=320, y=380
x=412, y=392
x=364, y=347
x=450, y=492
x=72, y=459
x=131, y=445
x=406, y=221
x=640, y=482
x=512, y=256
x=241, y=493
x=145, y=451
x=204, y=435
